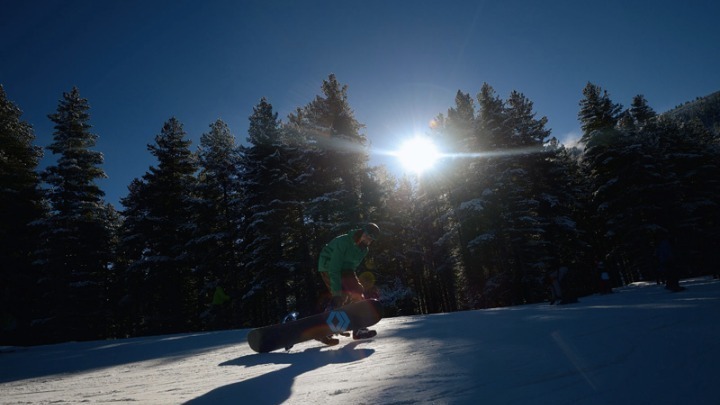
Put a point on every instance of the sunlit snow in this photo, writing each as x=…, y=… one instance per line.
x=639, y=345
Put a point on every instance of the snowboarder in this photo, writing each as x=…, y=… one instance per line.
x=337, y=264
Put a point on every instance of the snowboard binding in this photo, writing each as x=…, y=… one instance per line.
x=291, y=317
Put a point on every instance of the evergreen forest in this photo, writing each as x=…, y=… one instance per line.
x=226, y=233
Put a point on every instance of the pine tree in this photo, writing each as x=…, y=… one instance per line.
x=329, y=169
x=561, y=202
x=491, y=116
x=641, y=112
x=217, y=218
x=458, y=133
x=683, y=203
x=130, y=286
x=637, y=116
x=597, y=111
x=502, y=214
x=622, y=171
x=20, y=206
x=384, y=273
x=78, y=233
x=517, y=192
x=276, y=270
x=525, y=191
x=337, y=156
x=156, y=234
x=525, y=129
x=440, y=196
x=459, y=128
x=462, y=187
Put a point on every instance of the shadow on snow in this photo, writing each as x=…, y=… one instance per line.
x=42, y=361
x=276, y=386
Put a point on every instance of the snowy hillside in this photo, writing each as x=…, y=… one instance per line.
x=706, y=109
x=640, y=345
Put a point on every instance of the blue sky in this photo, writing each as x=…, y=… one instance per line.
x=141, y=62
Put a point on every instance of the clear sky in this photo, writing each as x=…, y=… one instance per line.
x=141, y=62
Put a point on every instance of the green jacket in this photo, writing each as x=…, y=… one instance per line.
x=339, y=255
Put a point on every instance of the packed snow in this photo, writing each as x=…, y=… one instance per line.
x=641, y=344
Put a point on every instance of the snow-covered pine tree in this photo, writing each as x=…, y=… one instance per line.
x=158, y=226
x=641, y=112
x=77, y=236
x=476, y=210
x=336, y=158
x=526, y=191
x=561, y=201
x=507, y=204
x=490, y=131
x=518, y=186
x=272, y=227
x=21, y=205
x=393, y=256
x=130, y=269
x=604, y=159
x=217, y=217
x=682, y=196
x=439, y=192
x=631, y=186
x=329, y=172
x=597, y=112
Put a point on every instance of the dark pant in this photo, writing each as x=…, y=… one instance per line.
x=352, y=290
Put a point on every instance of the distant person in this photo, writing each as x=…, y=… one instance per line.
x=339, y=260
x=663, y=254
x=667, y=266
x=605, y=287
x=554, y=279
x=220, y=308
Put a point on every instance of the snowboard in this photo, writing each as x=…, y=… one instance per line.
x=353, y=316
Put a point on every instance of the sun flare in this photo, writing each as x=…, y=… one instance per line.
x=418, y=154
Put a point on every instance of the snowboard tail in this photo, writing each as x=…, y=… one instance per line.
x=353, y=316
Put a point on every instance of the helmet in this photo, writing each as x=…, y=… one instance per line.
x=372, y=230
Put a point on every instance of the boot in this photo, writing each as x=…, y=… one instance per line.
x=363, y=333
x=328, y=340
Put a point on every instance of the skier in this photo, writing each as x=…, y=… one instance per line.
x=337, y=264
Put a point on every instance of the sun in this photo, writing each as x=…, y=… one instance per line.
x=418, y=154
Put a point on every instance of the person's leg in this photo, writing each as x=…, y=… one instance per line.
x=352, y=288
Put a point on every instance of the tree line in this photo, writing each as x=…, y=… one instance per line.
x=226, y=234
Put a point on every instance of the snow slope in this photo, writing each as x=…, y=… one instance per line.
x=641, y=344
